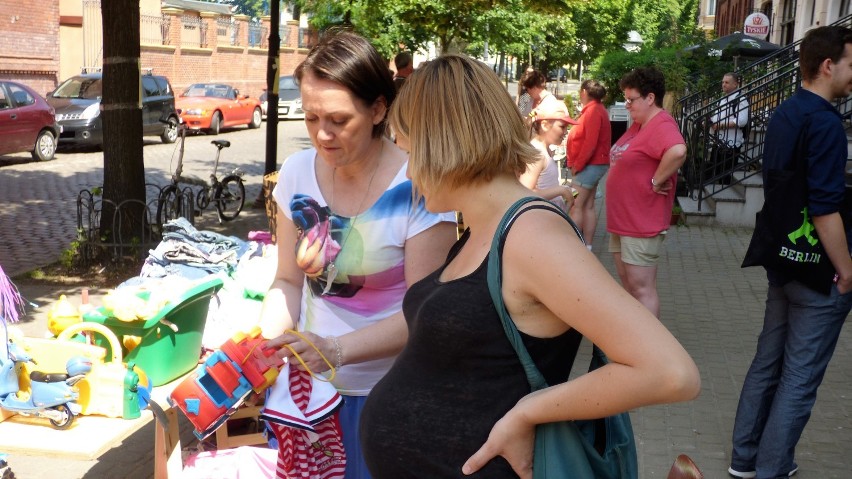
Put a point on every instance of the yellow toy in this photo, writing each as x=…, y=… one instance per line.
x=104, y=390
x=51, y=355
x=62, y=315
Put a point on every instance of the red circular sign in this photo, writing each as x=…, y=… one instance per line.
x=756, y=25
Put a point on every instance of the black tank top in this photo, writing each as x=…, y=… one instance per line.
x=457, y=375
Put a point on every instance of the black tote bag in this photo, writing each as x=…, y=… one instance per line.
x=784, y=237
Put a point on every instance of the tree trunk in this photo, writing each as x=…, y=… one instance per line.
x=121, y=115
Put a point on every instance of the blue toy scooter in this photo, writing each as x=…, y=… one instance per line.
x=39, y=394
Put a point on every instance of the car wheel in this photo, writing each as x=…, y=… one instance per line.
x=215, y=123
x=256, y=118
x=170, y=134
x=45, y=146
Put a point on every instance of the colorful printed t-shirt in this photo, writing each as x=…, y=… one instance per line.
x=632, y=207
x=370, y=281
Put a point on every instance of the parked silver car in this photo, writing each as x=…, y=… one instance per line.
x=77, y=102
x=289, y=99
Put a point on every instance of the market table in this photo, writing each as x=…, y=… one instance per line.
x=89, y=437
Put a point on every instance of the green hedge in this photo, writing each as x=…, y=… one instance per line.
x=684, y=71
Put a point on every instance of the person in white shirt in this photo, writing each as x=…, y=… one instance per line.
x=727, y=123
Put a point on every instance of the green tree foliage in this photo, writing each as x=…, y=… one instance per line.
x=551, y=32
x=609, y=68
x=454, y=25
x=665, y=23
x=602, y=26
x=519, y=32
x=252, y=8
x=667, y=28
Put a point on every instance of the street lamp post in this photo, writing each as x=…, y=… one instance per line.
x=272, y=68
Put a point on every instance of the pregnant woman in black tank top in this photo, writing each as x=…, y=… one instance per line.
x=457, y=403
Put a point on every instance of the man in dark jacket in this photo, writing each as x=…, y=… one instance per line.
x=801, y=326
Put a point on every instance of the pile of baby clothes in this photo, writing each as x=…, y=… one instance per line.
x=188, y=252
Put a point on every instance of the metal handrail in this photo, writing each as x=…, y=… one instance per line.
x=765, y=83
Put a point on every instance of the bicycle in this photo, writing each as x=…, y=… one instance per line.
x=229, y=195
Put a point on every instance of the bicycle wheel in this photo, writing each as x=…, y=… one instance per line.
x=202, y=200
x=169, y=205
x=230, y=196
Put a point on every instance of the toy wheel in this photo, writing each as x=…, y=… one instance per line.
x=230, y=196
x=67, y=417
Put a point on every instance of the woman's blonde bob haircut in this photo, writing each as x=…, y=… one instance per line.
x=461, y=125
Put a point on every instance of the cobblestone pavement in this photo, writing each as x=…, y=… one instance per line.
x=38, y=220
x=712, y=305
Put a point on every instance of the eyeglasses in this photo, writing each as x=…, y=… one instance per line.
x=629, y=101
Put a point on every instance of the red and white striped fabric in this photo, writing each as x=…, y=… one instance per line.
x=305, y=422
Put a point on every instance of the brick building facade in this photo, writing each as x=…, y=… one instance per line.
x=789, y=19
x=185, y=40
x=29, y=35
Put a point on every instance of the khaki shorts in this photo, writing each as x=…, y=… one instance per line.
x=637, y=251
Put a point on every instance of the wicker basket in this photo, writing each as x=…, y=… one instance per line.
x=269, y=182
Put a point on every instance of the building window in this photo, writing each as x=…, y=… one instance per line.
x=842, y=9
x=711, y=8
x=788, y=21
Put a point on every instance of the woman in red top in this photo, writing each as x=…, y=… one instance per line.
x=588, y=155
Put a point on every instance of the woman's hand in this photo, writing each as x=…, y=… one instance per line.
x=662, y=188
x=568, y=196
x=289, y=343
x=511, y=437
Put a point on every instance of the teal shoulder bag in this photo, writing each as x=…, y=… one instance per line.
x=583, y=449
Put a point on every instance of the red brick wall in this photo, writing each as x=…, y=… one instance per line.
x=30, y=36
x=241, y=66
x=34, y=59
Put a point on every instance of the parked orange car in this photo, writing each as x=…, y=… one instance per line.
x=212, y=106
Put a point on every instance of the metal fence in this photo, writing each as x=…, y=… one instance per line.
x=154, y=29
x=284, y=35
x=194, y=33
x=257, y=35
x=227, y=31
x=118, y=243
x=765, y=84
x=306, y=38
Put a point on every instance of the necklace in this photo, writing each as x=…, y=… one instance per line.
x=331, y=270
